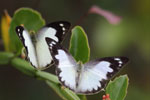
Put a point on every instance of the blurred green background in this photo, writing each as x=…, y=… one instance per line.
x=130, y=38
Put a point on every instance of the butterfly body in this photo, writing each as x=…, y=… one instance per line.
x=88, y=78
x=36, y=47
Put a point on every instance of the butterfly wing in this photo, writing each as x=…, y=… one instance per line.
x=55, y=31
x=66, y=65
x=24, y=36
x=93, y=75
x=96, y=73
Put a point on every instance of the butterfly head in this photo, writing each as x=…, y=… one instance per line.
x=79, y=63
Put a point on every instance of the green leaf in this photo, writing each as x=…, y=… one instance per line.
x=82, y=97
x=5, y=57
x=31, y=20
x=26, y=68
x=47, y=76
x=23, y=66
x=79, y=47
x=64, y=93
x=117, y=89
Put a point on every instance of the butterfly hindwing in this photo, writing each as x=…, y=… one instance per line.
x=66, y=65
x=24, y=36
x=55, y=31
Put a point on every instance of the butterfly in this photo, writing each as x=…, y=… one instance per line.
x=36, y=47
x=88, y=78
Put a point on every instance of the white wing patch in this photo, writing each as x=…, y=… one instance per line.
x=92, y=75
x=67, y=68
x=88, y=81
x=102, y=68
x=64, y=58
x=30, y=48
x=43, y=54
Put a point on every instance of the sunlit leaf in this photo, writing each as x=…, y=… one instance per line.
x=5, y=24
x=5, y=57
x=117, y=89
x=79, y=47
x=32, y=21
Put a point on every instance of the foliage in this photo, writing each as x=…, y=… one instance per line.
x=5, y=57
x=79, y=47
x=117, y=89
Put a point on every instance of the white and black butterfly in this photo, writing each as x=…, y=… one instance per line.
x=36, y=47
x=88, y=78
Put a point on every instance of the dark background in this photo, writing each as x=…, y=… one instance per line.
x=130, y=38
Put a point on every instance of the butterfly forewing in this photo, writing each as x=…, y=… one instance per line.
x=55, y=31
x=62, y=28
x=96, y=73
x=66, y=66
x=24, y=36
